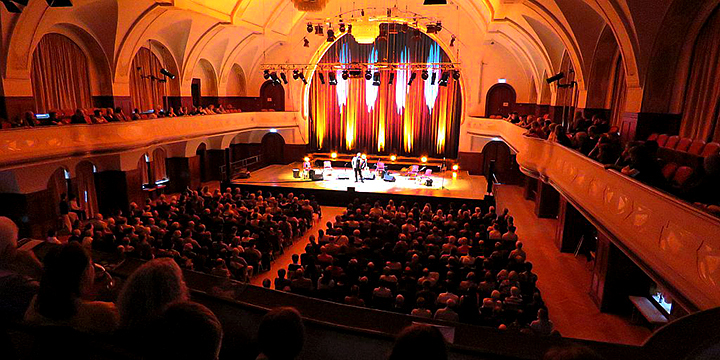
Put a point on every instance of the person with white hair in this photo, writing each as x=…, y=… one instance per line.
x=19, y=271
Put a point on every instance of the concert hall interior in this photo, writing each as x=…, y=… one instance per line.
x=365, y=179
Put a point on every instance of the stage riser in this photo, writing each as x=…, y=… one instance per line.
x=396, y=166
x=343, y=198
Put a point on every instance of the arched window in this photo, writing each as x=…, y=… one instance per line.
x=236, y=85
x=148, y=86
x=701, y=110
x=59, y=75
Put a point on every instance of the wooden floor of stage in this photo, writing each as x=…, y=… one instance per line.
x=464, y=186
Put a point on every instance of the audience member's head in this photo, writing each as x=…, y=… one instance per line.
x=574, y=352
x=147, y=292
x=187, y=331
x=281, y=334
x=68, y=275
x=419, y=342
x=8, y=239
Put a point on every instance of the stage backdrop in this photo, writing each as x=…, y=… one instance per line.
x=354, y=115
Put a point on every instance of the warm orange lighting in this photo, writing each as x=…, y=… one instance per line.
x=423, y=159
x=455, y=167
x=364, y=156
x=393, y=157
x=454, y=175
x=333, y=155
x=306, y=158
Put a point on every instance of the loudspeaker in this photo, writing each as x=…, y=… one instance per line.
x=311, y=174
x=317, y=176
x=388, y=177
x=296, y=173
x=429, y=182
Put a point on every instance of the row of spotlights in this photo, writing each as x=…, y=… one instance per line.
x=369, y=75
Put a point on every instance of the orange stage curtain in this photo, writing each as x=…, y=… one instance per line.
x=701, y=113
x=345, y=117
x=146, y=92
x=59, y=75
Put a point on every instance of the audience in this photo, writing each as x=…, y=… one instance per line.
x=186, y=331
x=19, y=272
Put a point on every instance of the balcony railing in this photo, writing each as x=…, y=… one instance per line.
x=674, y=240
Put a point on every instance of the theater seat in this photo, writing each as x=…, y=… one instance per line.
x=683, y=145
x=696, y=147
x=710, y=149
x=652, y=137
x=669, y=170
x=672, y=142
x=682, y=175
x=661, y=140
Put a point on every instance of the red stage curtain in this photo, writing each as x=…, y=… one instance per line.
x=701, y=113
x=59, y=75
x=146, y=92
x=344, y=117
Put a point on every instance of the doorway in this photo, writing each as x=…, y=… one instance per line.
x=195, y=88
x=500, y=100
x=272, y=96
x=273, y=149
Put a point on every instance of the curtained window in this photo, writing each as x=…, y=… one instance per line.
x=146, y=91
x=701, y=111
x=59, y=75
x=158, y=165
x=87, y=198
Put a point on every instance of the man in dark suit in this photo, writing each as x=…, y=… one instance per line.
x=357, y=163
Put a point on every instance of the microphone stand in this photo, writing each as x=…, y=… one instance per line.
x=444, y=168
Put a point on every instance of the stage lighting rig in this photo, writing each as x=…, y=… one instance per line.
x=284, y=78
x=302, y=77
x=376, y=79
x=423, y=159
x=345, y=75
x=322, y=77
x=425, y=75
x=368, y=75
x=319, y=30
x=333, y=78
x=333, y=155
x=275, y=79
x=433, y=79
x=266, y=74
x=444, y=79
x=296, y=74
x=306, y=42
x=393, y=157
x=456, y=74
x=455, y=167
x=452, y=41
x=330, y=35
x=392, y=78
x=310, y=28
x=341, y=26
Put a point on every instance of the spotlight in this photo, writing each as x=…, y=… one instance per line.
x=309, y=28
x=274, y=78
x=342, y=27
x=456, y=74
x=167, y=73
x=330, y=35
x=455, y=167
x=349, y=28
x=296, y=74
x=333, y=155
x=59, y=3
x=452, y=41
x=345, y=75
x=438, y=26
x=364, y=156
x=376, y=79
x=306, y=42
x=333, y=78
x=266, y=74
x=393, y=157
x=555, y=78
x=434, y=78
x=318, y=30
x=392, y=78
x=322, y=77
x=423, y=159
x=425, y=75
x=284, y=78
x=412, y=78
x=302, y=77
x=368, y=75
x=306, y=159
x=444, y=79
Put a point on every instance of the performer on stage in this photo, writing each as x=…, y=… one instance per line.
x=357, y=165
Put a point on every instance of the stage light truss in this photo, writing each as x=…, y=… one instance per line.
x=362, y=67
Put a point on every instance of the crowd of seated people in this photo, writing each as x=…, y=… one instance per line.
x=640, y=160
x=108, y=115
x=226, y=234
x=453, y=264
x=152, y=314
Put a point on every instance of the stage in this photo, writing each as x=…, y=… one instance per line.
x=444, y=186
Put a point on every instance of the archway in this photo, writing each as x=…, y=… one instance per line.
x=272, y=96
x=148, y=87
x=236, y=84
x=84, y=188
x=273, y=149
x=205, y=78
x=59, y=74
x=57, y=186
x=500, y=100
